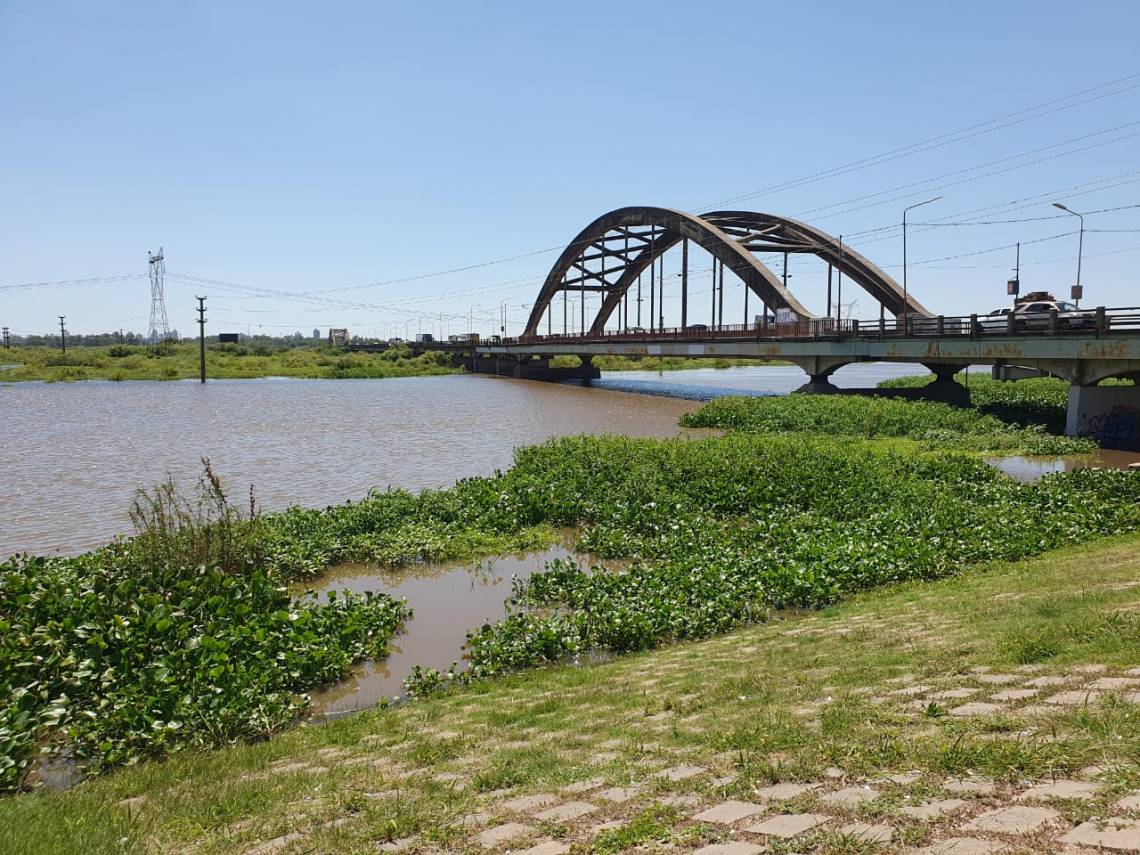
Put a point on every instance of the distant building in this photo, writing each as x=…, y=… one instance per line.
x=316, y=333
x=338, y=337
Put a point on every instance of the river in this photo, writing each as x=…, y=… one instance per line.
x=75, y=453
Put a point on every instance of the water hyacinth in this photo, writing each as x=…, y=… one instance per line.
x=931, y=424
x=723, y=530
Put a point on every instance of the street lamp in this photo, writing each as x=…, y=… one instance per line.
x=1080, y=248
x=909, y=208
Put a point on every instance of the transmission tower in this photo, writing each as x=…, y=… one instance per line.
x=159, y=328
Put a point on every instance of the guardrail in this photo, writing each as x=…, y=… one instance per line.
x=1100, y=322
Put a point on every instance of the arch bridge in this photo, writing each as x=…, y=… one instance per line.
x=617, y=264
x=622, y=254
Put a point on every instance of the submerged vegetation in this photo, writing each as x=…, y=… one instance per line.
x=185, y=635
x=179, y=361
x=932, y=425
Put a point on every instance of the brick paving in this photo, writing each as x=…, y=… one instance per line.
x=717, y=810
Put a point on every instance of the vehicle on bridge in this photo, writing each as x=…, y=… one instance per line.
x=424, y=338
x=1035, y=315
x=1034, y=311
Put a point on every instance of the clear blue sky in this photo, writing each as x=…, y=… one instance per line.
x=301, y=147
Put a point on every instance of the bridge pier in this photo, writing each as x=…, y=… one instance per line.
x=1109, y=414
x=819, y=370
x=943, y=387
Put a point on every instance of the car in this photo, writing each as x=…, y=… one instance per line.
x=697, y=328
x=1035, y=315
x=636, y=331
x=995, y=321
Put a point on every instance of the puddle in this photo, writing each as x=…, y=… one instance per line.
x=56, y=771
x=447, y=602
x=1031, y=468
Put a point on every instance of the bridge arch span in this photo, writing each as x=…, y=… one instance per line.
x=635, y=237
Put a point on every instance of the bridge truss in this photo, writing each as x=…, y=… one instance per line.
x=621, y=253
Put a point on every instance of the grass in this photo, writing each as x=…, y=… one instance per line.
x=179, y=361
x=731, y=704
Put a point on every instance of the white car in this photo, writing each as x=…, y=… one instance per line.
x=1035, y=315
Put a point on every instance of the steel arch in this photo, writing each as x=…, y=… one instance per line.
x=729, y=236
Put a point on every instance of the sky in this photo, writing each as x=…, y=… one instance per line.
x=285, y=153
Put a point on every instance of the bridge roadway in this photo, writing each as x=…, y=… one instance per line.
x=1084, y=357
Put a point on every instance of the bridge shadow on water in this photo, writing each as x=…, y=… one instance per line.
x=666, y=389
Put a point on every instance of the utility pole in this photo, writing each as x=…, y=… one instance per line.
x=684, y=283
x=720, y=302
x=62, y=335
x=1076, y=292
x=839, y=286
x=906, y=297
x=201, y=338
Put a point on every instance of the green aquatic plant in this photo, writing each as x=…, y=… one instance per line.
x=933, y=425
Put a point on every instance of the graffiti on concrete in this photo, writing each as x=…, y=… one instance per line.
x=1121, y=424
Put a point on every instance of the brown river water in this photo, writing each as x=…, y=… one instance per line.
x=74, y=454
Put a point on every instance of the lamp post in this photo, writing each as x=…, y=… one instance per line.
x=905, y=297
x=1080, y=248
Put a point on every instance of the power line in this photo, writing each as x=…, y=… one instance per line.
x=122, y=277
x=960, y=135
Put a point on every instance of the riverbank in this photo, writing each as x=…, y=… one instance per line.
x=997, y=705
x=179, y=361
x=711, y=533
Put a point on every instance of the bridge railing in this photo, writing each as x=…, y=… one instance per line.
x=1100, y=321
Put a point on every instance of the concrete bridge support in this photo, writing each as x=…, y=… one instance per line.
x=943, y=388
x=819, y=370
x=1109, y=414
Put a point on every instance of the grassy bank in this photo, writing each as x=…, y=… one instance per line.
x=849, y=709
x=226, y=361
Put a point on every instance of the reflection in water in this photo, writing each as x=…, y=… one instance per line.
x=447, y=602
x=1031, y=468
